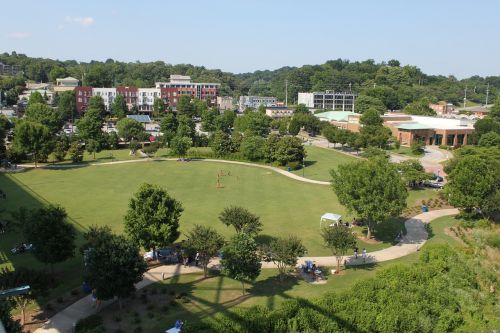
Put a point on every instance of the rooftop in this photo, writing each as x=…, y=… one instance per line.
x=413, y=126
x=140, y=118
x=335, y=115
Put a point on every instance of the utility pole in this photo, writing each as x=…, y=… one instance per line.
x=286, y=92
x=487, y=93
x=465, y=95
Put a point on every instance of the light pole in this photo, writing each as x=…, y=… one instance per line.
x=303, y=166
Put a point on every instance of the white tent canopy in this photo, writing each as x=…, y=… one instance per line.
x=330, y=217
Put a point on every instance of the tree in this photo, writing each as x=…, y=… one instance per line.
x=412, y=172
x=97, y=103
x=206, y=242
x=33, y=138
x=61, y=146
x=129, y=129
x=113, y=264
x=373, y=189
x=119, y=108
x=36, y=98
x=158, y=107
x=417, y=147
x=221, y=144
x=10, y=325
x=252, y=148
x=67, y=105
x=338, y=239
x=364, y=103
x=209, y=119
x=57, y=72
x=75, y=152
x=473, y=185
x=93, y=146
x=420, y=107
x=45, y=115
x=186, y=126
x=152, y=218
x=185, y=106
x=371, y=118
x=241, y=219
x=90, y=125
x=284, y=252
x=308, y=121
x=225, y=121
x=330, y=134
x=302, y=108
x=373, y=133
x=294, y=127
x=490, y=139
x=180, y=145
x=240, y=260
x=253, y=122
x=289, y=149
x=271, y=146
x=52, y=236
x=387, y=95
x=168, y=126
x=39, y=283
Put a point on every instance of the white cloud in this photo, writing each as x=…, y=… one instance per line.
x=85, y=21
x=19, y=35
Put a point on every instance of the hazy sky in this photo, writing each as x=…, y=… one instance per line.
x=441, y=37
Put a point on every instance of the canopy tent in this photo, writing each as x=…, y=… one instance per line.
x=333, y=219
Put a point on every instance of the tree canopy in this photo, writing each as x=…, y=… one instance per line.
x=241, y=219
x=206, y=242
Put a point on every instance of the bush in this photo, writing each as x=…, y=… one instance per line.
x=493, y=241
x=59, y=300
x=89, y=323
x=483, y=224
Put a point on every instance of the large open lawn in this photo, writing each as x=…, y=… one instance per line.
x=320, y=161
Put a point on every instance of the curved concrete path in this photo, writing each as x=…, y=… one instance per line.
x=416, y=236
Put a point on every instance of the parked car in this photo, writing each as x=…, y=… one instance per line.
x=433, y=184
x=166, y=255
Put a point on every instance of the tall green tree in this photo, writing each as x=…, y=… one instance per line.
x=186, y=126
x=372, y=189
x=113, y=264
x=45, y=115
x=52, y=236
x=221, y=144
x=158, y=107
x=185, y=106
x=90, y=125
x=97, y=103
x=289, y=149
x=284, y=253
x=130, y=129
x=67, y=105
x=253, y=148
x=473, y=185
x=180, y=145
x=240, y=260
x=419, y=108
x=206, y=242
x=33, y=138
x=10, y=325
x=119, y=108
x=254, y=122
x=338, y=239
x=168, y=126
x=241, y=219
x=152, y=218
x=364, y=103
x=35, y=98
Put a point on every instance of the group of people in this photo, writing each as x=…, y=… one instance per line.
x=21, y=248
x=363, y=254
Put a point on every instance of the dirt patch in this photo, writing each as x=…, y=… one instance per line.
x=369, y=240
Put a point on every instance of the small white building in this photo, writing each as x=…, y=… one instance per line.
x=225, y=103
x=66, y=84
x=108, y=96
x=279, y=112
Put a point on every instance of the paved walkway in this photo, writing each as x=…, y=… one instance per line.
x=415, y=237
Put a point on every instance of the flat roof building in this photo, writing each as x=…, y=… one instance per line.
x=255, y=101
x=329, y=100
x=66, y=84
x=279, y=112
x=183, y=85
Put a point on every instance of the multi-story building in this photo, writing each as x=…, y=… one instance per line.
x=82, y=95
x=146, y=98
x=277, y=112
x=129, y=93
x=182, y=85
x=225, y=103
x=9, y=69
x=255, y=101
x=108, y=96
x=329, y=100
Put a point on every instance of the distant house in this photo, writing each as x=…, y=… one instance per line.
x=225, y=103
x=279, y=112
x=66, y=84
x=255, y=101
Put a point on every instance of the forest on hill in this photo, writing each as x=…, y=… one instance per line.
x=393, y=84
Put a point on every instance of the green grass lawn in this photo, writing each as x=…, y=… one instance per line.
x=320, y=161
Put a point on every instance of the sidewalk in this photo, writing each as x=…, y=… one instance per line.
x=415, y=237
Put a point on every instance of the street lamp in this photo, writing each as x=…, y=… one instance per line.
x=303, y=166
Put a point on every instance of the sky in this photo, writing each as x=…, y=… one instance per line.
x=460, y=38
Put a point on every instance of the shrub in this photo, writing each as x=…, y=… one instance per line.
x=483, y=224
x=493, y=241
x=89, y=323
x=59, y=300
